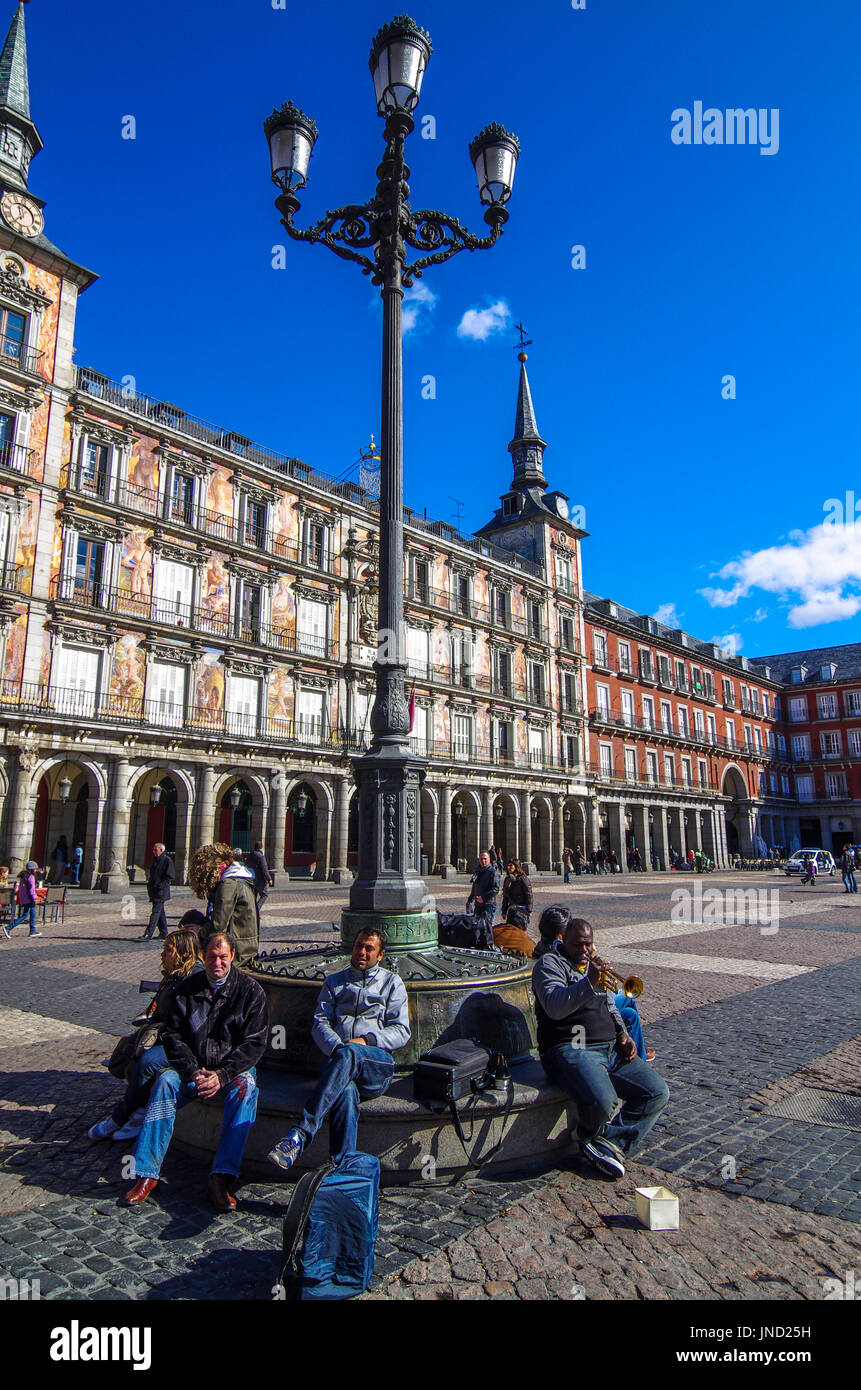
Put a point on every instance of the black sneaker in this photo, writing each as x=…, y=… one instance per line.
x=602, y=1159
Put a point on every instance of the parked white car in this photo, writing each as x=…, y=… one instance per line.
x=798, y=863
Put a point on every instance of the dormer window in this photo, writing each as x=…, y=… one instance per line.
x=511, y=504
x=797, y=674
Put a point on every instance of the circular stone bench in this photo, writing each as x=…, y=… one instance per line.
x=410, y=1141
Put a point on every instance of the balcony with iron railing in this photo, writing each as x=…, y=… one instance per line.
x=616, y=720
x=178, y=616
x=14, y=353
x=617, y=776
x=18, y=458
x=16, y=579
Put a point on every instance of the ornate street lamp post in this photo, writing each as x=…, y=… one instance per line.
x=376, y=236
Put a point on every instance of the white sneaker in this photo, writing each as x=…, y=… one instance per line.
x=132, y=1127
x=103, y=1130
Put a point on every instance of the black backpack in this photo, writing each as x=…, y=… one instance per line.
x=465, y=930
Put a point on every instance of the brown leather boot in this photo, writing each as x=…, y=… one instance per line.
x=218, y=1192
x=141, y=1190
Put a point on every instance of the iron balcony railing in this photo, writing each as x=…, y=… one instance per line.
x=172, y=613
x=16, y=579
x=12, y=350
x=617, y=720
x=618, y=776
x=17, y=457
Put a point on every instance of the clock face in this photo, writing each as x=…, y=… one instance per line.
x=562, y=508
x=22, y=215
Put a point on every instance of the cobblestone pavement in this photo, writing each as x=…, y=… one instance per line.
x=742, y=1018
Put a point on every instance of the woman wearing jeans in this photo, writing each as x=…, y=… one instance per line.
x=25, y=896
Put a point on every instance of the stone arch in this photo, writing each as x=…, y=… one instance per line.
x=505, y=826
x=465, y=828
x=81, y=817
x=258, y=789
x=429, y=825
x=737, y=817
x=542, y=831
x=313, y=862
x=148, y=823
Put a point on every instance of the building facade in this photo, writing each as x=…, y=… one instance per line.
x=188, y=625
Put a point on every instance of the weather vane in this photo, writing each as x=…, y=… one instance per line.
x=524, y=342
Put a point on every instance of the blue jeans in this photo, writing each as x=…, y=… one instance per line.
x=352, y=1073
x=631, y=1019
x=24, y=913
x=594, y=1076
x=168, y=1095
x=157, y=919
x=849, y=881
x=141, y=1077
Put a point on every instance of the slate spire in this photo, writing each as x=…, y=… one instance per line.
x=19, y=138
x=527, y=447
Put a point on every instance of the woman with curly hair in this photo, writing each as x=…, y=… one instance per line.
x=516, y=889
x=228, y=890
x=181, y=956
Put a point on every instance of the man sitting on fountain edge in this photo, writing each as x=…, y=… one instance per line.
x=361, y=1018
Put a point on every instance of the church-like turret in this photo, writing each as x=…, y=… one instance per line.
x=19, y=138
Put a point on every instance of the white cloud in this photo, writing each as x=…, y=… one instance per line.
x=417, y=298
x=667, y=615
x=479, y=324
x=820, y=567
x=759, y=616
x=730, y=642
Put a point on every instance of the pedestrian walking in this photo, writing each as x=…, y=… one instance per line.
x=485, y=886
x=160, y=876
x=847, y=867
x=228, y=890
x=25, y=897
x=516, y=889
x=77, y=864
x=567, y=864
x=262, y=876
x=579, y=860
x=59, y=860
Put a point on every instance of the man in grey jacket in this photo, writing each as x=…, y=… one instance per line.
x=361, y=1018
x=586, y=1049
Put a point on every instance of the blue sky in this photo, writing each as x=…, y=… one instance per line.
x=702, y=261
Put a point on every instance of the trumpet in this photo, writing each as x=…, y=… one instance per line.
x=632, y=987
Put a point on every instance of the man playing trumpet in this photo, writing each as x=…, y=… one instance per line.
x=586, y=1049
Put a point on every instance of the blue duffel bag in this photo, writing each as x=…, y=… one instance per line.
x=330, y=1230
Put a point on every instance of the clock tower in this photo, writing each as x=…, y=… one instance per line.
x=19, y=138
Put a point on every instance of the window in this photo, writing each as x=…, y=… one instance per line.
x=599, y=649
x=181, y=503
x=696, y=680
x=682, y=718
x=855, y=743
x=745, y=699
x=315, y=545
x=535, y=626
x=730, y=733
x=835, y=786
x=686, y=772
x=462, y=595
x=13, y=336
x=681, y=676
x=648, y=712
x=666, y=717
x=503, y=672
x=569, y=750
x=709, y=684
x=755, y=701
x=511, y=504
x=7, y=440
x=699, y=724
x=831, y=745
x=646, y=668
x=536, y=683
x=702, y=772
x=76, y=681
x=312, y=625
x=631, y=764
x=801, y=748
x=361, y=730
x=502, y=607
x=504, y=742
x=462, y=736
x=250, y=612
x=757, y=738
x=96, y=468
x=566, y=635
x=602, y=700
x=536, y=747
x=827, y=706
x=784, y=784
x=254, y=529
x=728, y=692
x=798, y=708
x=564, y=577
x=627, y=703
x=765, y=704
x=166, y=694
x=665, y=674
x=422, y=585
x=781, y=745
x=669, y=769
x=748, y=741
x=652, y=768
x=711, y=728
x=569, y=692
x=625, y=658
x=242, y=704
x=804, y=786
x=852, y=700
x=605, y=760
x=310, y=717
x=173, y=589
x=89, y=571
x=419, y=731
x=418, y=652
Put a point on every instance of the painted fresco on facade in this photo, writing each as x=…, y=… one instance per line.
x=440, y=575
x=280, y=704
x=481, y=656
x=441, y=651
x=144, y=466
x=25, y=554
x=441, y=723
x=50, y=285
x=283, y=605
x=219, y=498
x=521, y=733
x=136, y=564
x=208, y=686
x=128, y=676
x=480, y=592
x=37, y=441
x=285, y=519
x=482, y=729
x=57, y=551
x=215, y=590
x=13, y=664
